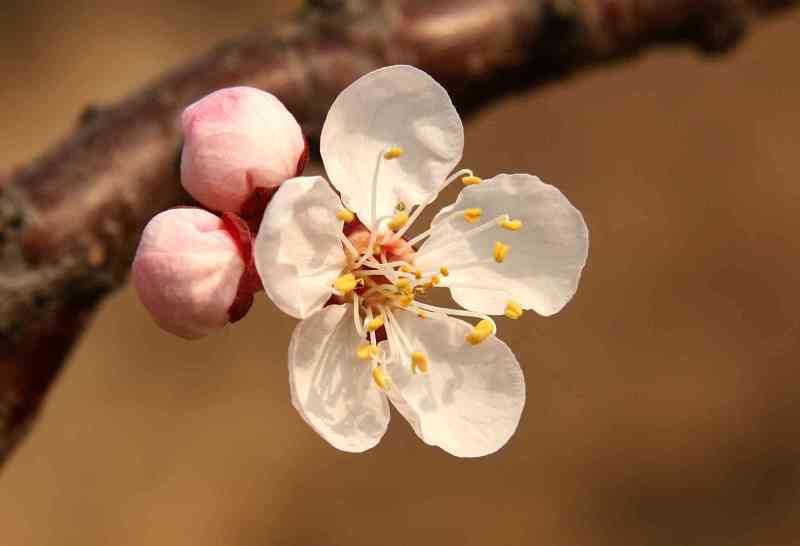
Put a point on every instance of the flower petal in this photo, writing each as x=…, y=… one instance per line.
x=470, y=401
x=331, y=388
x=547, y=255
x=394, y=106
x=298, y=253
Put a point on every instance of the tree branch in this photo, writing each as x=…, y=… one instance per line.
x=71, y=219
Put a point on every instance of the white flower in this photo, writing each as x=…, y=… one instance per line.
x=507, y=244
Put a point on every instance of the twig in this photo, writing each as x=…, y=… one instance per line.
x=70, y=221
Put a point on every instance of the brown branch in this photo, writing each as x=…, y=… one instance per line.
x=70, y=221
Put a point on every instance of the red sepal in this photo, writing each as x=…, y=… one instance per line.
x=303, y=160
x=249, y=282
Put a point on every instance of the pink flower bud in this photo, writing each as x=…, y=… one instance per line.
x=187, y=271
x=238, y=141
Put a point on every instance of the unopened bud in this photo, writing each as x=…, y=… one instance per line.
x=187, y=271
x=239, y=143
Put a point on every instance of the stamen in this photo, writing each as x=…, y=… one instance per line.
x=357, y=317
x=443, y=311
x=395, y=331
x=424, y=235
x=388, y=153
x=479, y=332
x=381, y=272
x=380, y=377
x=513, y=310
x=475, y=287
x=372, y=337
x=511, y=225
x=471, y=180
x=392, y=336
x=459, y=174
x=345, y=216
x=411, y=220
x=348, y=244
x=472, y=215
x=419, y=361
x=403, y=283
x=393, y=153
x=500, y=251
x=436, y=279
x=444, y=271
x=398, y=220
x=367, y=351
x=465, y=265
x=493, y=223
x=462, y=173
x=375, y=324
x=345, y=284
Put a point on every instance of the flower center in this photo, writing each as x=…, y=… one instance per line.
x=381, y=278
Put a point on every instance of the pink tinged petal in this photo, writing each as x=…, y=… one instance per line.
x=298, y=251
x=394, y=106
x=471, y=398
x=331, y=388
x=187, y=271
x=238, y=141
x=547, y=254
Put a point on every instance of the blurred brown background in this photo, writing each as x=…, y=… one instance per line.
x=663, y=402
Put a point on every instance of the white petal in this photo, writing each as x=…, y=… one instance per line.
x=393, y=106
x=470, y=401
x=331, y=388
x=298, y=253
x=547, y=255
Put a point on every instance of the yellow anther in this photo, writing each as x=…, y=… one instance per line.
x=345, y=216
x=428, y=285
x=406, y=269
x=472, y=215
x=500, y=251
x=406, y=300
x=367, y=351
x=419, y=362
x=400, y=206
x=376, y=250
x=418, y=274
x=511, y=225
x=398, y=220
x=480, y=332
x=380, y=377
x=375, y=323
x=346, y=283
x=436, y=279
x=513, y=310
x=403, y=283
x=393, y=153
x=471, y=180
x=444, y=271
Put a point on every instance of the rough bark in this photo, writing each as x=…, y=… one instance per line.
x=71, y=219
